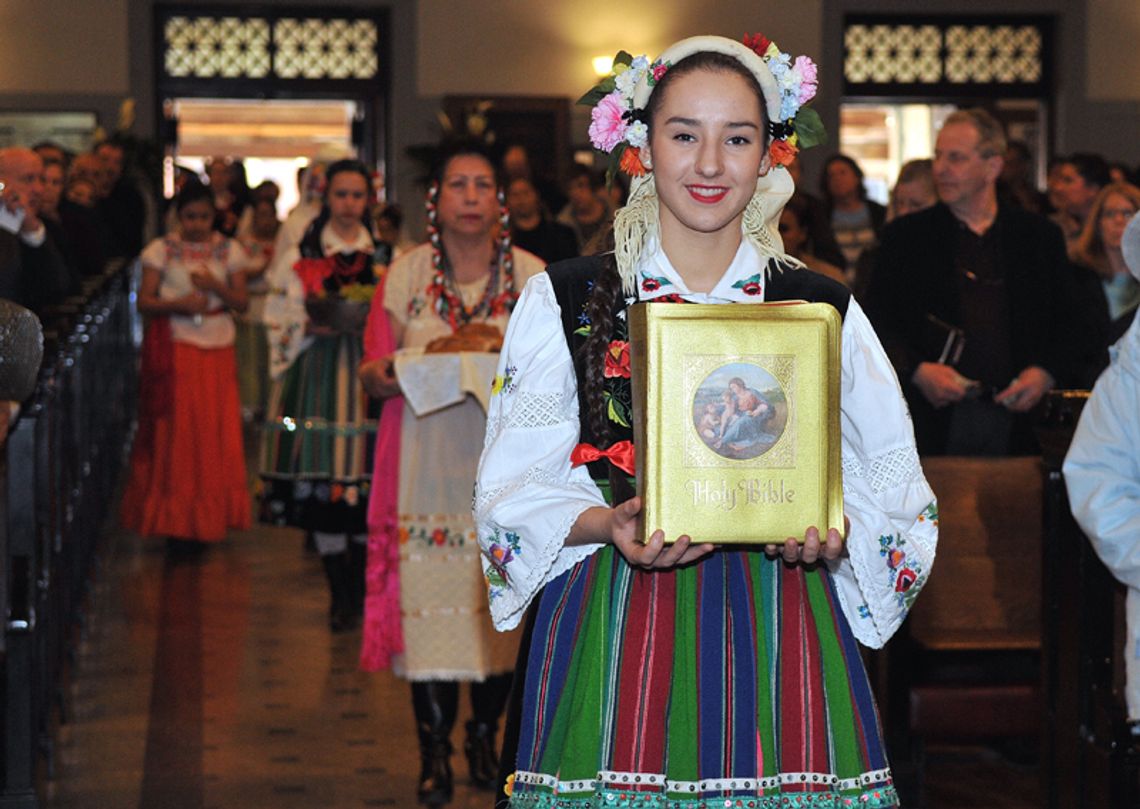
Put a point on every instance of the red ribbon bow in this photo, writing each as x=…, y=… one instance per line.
x=619, y=454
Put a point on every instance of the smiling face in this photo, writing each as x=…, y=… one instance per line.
x=706, y=150
x=468, y=200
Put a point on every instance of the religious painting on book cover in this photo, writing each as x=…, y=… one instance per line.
x=740, y=411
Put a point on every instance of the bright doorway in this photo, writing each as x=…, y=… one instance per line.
x=274, y=138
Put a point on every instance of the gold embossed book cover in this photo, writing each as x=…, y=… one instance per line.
x=736, y=419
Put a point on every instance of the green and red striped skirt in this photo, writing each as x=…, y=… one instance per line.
x=733, y=682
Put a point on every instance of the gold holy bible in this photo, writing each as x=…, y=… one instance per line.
x=736, y=420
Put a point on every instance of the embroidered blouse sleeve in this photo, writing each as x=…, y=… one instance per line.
x=527, y=496
x=893, y=512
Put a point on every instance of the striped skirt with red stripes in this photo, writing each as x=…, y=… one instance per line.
x=734, y=682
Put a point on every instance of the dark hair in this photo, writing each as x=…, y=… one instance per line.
x=311, y=241
x=607, y=293
x=850, y=163
x=464, y=147
x=1020, y=148
x=580, y=170
x=706, y=60
x=1092, y=167
x=193, y=191
x=391, y=211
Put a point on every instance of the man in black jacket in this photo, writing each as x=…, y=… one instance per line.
x=32, y=272
x=969, y=299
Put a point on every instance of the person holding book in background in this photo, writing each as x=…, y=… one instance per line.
x=686, y=672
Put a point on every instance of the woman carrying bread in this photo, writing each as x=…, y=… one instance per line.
x=450, y=292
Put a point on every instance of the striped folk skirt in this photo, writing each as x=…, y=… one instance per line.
x=316, y=449
x=734, y=682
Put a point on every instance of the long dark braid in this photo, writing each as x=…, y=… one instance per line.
x=600, y=310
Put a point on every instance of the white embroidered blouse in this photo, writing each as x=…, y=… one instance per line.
x=527, y=495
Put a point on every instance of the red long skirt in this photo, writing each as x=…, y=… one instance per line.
x=187, y=475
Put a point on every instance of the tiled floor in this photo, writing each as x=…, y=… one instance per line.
x=215, y=684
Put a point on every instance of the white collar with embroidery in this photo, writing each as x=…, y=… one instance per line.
x=745, y=280
x=331, y=242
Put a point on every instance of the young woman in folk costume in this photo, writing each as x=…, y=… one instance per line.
x=431, y=603
x=187, y=477
x=684, y=675
x=316, y=464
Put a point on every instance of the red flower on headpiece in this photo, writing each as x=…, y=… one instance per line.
x=782, y=152
x=758, y=43
x=631, y=162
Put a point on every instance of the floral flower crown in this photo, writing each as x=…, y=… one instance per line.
x=617, y=120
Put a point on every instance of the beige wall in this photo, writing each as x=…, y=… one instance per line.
x=64, y=47
x=544, y=47
x=1113, y=37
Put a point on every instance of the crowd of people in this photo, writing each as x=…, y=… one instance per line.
x=974, y=290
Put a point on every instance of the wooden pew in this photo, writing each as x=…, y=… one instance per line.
x=970, y=669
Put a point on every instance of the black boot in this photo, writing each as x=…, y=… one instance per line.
x=357, y=567
x=435, y=705
x=482, y=760
x=487, y=701
x=341, y=617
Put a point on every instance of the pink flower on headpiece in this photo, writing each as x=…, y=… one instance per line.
x=659, y=70
x=607, y=127
x=806, y=69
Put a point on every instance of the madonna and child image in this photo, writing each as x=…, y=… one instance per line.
x=740, y=411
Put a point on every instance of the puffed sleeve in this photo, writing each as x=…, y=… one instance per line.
x=894, y=515
x=1102, y=468
x=154, y=254
x=238, y=258
x=527, y=495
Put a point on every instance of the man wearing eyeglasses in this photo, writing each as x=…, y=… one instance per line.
x=969, y=298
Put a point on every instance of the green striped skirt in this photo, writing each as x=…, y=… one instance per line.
x=317, y=441
x=733, y=682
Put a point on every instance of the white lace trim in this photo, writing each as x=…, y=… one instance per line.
x=485, y=497
x=884, y=471
x=529, y=410
x=508, y=607
x=540, y=410
x=608, y=780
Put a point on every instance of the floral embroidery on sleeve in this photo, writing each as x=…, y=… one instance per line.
x=505, y=382
x=905, y=575
x=502, y=549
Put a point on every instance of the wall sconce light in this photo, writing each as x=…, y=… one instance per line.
x=602, y=65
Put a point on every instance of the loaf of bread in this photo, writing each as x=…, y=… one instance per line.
x=478, y=337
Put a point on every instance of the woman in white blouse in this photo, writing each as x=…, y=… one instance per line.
x=682, y=672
